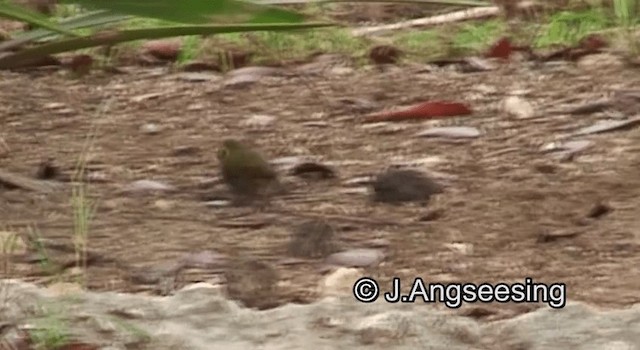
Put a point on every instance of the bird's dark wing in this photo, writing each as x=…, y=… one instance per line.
x=252, y=165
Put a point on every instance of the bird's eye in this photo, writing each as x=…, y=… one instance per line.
x=222, y=153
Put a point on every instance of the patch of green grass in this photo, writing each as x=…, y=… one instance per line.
x=47, y=265
x=477, y=36
x=627, y=15
x=50, y=332
x=567, y=28
x=424, y=43
x=279, y=46
x=298, y=44
x=67, y=10
x=83, y=207
x=626, y=12
x=132, y=329
x=190, y=49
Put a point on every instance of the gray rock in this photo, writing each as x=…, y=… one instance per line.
x=312, y=239
x=450, y=132
x=201, y=318
x=356, y=257
x=148, y=186
x=404, y=185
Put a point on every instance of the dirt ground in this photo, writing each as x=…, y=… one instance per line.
x=502, y=192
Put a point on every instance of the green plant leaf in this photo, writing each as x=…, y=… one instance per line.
x=429, y=2
x=23, y=14
x=85, y=20
x=196, y=11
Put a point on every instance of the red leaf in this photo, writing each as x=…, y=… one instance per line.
x=501, y=49
x=425, y=110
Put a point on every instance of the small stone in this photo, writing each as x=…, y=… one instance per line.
x=378, y=243
x=598, y=210
x=47, y=170
x=247, y=76
x=198, y=286
x=198, y=76
x=382, y=327
x=339, y=282
x=218, y=203
x=185, y=150
x=145, y=97
x=148, y=185
x=55, y=105
x=354, y=190
x=450, y=132
x=259, y=120
x=404, y=185
x=252, y=282
x=195, y=107
x=150, y=129
x=156, y=273
x=462, y=248
x=356, y=258
x=206, y=259
x=341, y=71
x=163, y=204
x=313, y=170
x=316, y=124
x=545, y=168
x=567, y=150
x=359, y=181
x=259, y=71
x=518, y=107
x=312, y=239
x=97, y=176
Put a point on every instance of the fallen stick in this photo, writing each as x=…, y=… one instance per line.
x=463, y=15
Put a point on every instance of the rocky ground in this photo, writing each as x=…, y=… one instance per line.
x=516, y=203
x=200, y=317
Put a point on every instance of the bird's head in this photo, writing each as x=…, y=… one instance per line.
x=228, y=146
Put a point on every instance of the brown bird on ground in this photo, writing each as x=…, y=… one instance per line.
x=247, y=174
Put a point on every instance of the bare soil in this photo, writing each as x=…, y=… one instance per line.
x=502, y=192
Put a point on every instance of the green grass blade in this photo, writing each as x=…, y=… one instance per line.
x=23, y=14
x=88, y=20
x=478, y=3
x=196, y=11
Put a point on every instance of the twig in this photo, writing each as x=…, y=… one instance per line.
x=457, y=16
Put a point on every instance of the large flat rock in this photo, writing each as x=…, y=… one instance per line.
x=200, y=317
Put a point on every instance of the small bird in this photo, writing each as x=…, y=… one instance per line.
x=247, y=174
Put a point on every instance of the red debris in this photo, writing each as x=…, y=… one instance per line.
x=80, y=64
x=501, y=49
x=425, y=110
